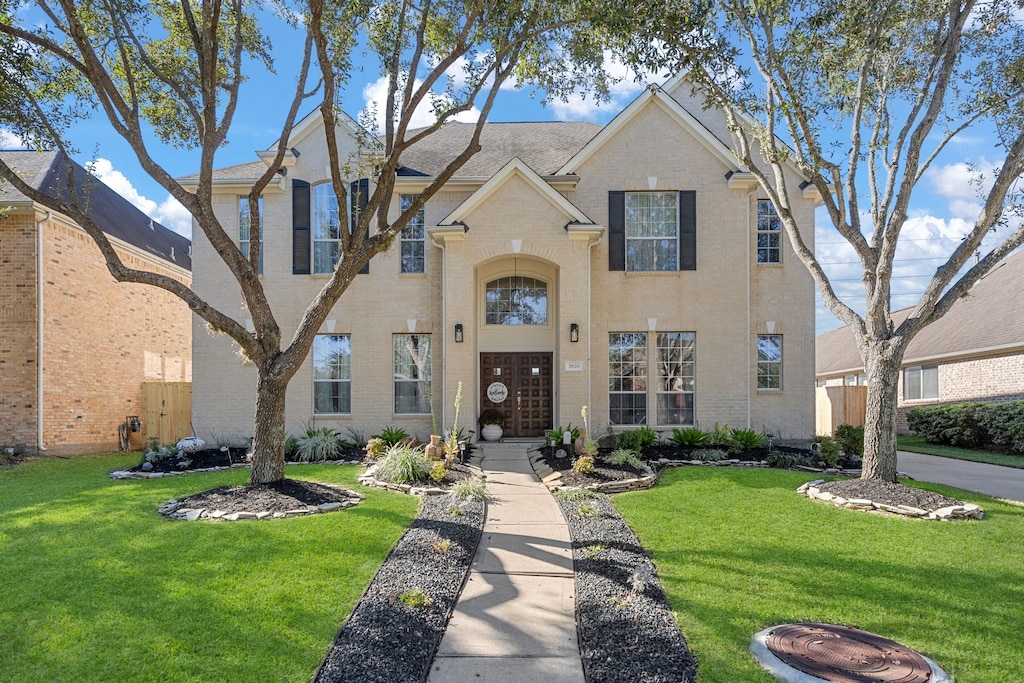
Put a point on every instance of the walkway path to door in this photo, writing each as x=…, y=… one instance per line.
x=516, y=617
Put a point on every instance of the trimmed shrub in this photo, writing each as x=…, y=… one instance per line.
x=742, y=439
x=317, y=445
x=1004, y=425
x=636, y=439
x=404, y=465
x=709, y=454
x=995, y=426
x=624, y=457
x=689, y=436
x=470, y=489
x=850, y=440
x=391, y=435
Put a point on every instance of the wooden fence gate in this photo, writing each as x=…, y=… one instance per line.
x=839, y=405
x=166, y=411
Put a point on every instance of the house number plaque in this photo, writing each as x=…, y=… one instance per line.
x=497, y=392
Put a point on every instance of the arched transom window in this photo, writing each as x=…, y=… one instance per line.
x=517, y=300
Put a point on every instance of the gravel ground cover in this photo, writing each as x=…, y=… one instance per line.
x=627, y=632
x=387, y=641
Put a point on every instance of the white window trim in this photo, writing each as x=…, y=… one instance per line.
x=628, y=239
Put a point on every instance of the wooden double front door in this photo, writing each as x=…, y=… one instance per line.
x=519, y=385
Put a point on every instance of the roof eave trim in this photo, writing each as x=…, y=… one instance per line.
x=517, y=167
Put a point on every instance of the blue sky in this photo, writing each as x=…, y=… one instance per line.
x=944, y=208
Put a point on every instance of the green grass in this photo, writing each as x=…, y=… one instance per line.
x=98, y=587
x=916, y=444
x=738, y=550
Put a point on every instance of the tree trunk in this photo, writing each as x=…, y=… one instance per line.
x=268, y=430
x=879, y=460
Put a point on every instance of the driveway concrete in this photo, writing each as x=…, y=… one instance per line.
x=994, y=480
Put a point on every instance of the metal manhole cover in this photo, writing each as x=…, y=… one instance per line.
x=844, y=655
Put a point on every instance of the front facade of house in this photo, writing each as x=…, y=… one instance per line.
x=629, y=268
x=75, y=345
x=973, y=353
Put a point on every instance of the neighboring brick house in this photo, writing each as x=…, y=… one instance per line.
x=630, y=268
x=973, y=353
x=99, y=339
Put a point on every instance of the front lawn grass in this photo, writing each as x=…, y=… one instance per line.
x=739, y=550
x=916, y=444
x=98, y=587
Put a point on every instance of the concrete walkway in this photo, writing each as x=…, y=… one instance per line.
x=516, y=617
x=994, y=480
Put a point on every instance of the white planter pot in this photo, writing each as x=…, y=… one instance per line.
x=491, y=432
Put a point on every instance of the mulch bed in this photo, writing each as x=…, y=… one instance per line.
x=888, y=493
x=280, y=496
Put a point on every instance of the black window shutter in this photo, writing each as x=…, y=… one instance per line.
x=300, y=227
x=358, y=196
x=616, y=230
x=687, y=230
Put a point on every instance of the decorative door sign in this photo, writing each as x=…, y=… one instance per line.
x=497, y=392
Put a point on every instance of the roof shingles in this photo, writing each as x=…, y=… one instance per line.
x=115, y=215
x=990, y=317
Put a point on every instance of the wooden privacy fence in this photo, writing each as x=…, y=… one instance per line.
x=834, y=406
x=166, y=411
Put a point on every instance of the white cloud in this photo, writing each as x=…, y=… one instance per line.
x=169, y=213
x=624, y=89
x=9, y=140
x=375, y=97
x=963, y=185
x=926, y=242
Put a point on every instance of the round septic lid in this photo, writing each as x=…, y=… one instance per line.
x=840, y=654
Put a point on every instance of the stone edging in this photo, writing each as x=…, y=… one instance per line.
x=367, y=478
x=129, y=474
x=552, y=479
x=966, y=511
x=173, y=509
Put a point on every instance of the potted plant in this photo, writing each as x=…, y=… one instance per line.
x=491, y=424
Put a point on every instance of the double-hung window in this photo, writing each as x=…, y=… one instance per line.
x=326, y=229
x=244, y=225
x=676, y=377
x=920, y=381
x=332, y=374
x=769, y=233
x=627, y=378
x=412, y=373
x=652, y=231
x=413, y=241
x=769, y=361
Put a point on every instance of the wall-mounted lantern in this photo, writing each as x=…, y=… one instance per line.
x=458, y=333
x=574, y=332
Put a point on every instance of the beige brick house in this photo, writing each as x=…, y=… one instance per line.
x=75, y=345
x=973, y=353
x=631, y=268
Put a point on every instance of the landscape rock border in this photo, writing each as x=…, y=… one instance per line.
x=947, y=513
x=367, y=478
x=178, y=511
x=132, y=474
x=551, y=478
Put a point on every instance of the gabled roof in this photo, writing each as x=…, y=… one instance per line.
x=544, y=146
x=115, y=215
x=654, y=95
x=987, y=320
x=516, y=168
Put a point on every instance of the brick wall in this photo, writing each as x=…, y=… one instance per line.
x=101, y=339
x=17, y=330
x=989, y=378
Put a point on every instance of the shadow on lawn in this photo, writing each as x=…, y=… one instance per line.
x=100, y=587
